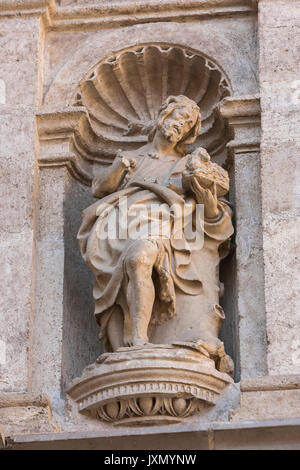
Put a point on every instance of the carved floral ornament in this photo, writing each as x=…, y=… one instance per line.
x=117, y=102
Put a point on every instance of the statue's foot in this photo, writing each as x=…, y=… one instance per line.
x=139, y=342
x=136, y=342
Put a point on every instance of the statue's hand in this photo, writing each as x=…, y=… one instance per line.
x=207, y=197
x=109, y=181
x=128, y=163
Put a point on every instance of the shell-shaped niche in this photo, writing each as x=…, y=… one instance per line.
x=124, y=92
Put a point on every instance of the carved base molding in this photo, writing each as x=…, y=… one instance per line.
x=157, y=384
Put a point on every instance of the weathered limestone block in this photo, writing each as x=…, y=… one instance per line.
x=59, y=352
x=19, y=43
x=25, y=413
x=269, y=398
x=279, y=78
x=49, y=287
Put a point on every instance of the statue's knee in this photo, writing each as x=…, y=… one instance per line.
x=141, y=255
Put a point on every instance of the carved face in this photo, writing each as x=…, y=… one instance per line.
x=178, y=124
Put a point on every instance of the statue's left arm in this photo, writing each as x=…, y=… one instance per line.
x=207, y=197
x=217, y=213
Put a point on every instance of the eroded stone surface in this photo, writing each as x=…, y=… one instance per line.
x=39, y=297
x=25, y=413
x=279, y=77
x=17, y=135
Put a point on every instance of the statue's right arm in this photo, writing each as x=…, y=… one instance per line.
x=109, y=180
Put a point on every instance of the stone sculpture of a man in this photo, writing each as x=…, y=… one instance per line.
x=138, y=279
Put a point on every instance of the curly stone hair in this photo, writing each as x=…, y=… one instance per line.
x=168, y=106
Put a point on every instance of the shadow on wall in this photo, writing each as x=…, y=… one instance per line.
x=81, y=345
x=228, y=276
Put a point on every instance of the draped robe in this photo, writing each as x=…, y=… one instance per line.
x=152, y=188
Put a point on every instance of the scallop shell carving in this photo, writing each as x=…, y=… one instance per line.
x=124, y=92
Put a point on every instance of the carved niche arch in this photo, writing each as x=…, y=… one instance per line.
x=118, y=99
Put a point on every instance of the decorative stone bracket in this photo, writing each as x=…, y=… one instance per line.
x=56, y=133
x=243, y=117
x=158, y=384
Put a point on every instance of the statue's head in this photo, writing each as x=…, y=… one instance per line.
x=179, y=121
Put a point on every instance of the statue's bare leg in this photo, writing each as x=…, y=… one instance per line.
x=139, y=263
x=115, y=328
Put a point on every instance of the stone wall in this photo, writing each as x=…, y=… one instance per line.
x=48, y=333
x=279, y=81
x=21, y=44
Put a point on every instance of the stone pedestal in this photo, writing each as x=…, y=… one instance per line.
x=159, y=384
